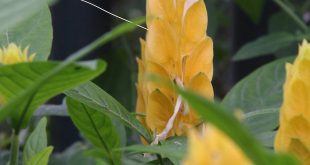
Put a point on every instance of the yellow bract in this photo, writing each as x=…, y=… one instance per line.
x=213, y=148
x=14, y=54
x=176, y=49
x=294, y=132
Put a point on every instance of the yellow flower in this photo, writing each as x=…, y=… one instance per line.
x=294, y=132
x=176, y=49
x=213, y=148
x=13, y=54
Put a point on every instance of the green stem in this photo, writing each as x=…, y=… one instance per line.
x=161, y=162
x=138, y=114
x=24, y=113
x=291, y=14
x=14, y=149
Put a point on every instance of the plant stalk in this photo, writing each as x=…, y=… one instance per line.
x=291, y=13
x=160, y=159
x=14, y=149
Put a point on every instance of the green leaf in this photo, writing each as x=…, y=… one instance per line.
x=52, y=2
x=99, y=153
x=265, y=45
x=262, y=120
x=23, y=99
x=16, y=81
x=36, y=142
x=262, y=89
x=228, y=124
x=35, y=32
x=174, y=149
x=96, y=98
x=253, y=8
x=280, y=22
x=96, y=127
x=73, y=155
x=266, y=138
x=259, y=96
x=286, y=7
x=13, y=12
x=41, y=158
x=137, y=160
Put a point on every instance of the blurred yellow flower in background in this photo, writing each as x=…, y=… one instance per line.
x=14, y=54
x=176, y=49
x=294, y=133
x=213, y=148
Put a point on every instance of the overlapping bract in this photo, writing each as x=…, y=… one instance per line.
x=294, y=132
x=176, y=48
x=213, y=148
x=14, y=54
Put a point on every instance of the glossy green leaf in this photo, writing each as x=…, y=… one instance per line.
x=35, y=32
x=226, y=122
x=262, y=120
x=266, y=138
x=262, y=89
x=96, y=98
x=253, y=8
x=36, y=142
x=41, y=158
x=174, y=149
x=16, y=80
x=13, y=12
x=259, y=96
x=96, y=127
x=265, y=45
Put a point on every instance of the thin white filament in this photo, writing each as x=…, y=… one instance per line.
x=7, y=36
x=186, y=107
x=169, y=125
x=114, y=15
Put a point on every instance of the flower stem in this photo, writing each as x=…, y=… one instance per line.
x=291, y=13
x=14, y=149
x=160, y=159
